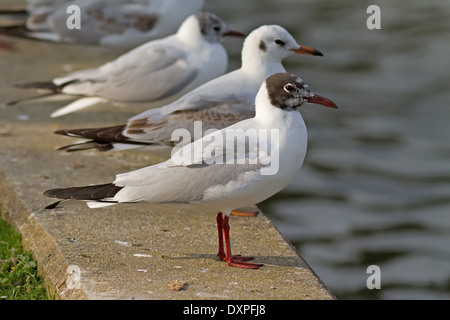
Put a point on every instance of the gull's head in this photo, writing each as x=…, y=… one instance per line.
x=273, y=43
x=207, y=26
x=288, y=92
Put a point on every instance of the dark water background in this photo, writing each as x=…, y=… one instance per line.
x=375, y=186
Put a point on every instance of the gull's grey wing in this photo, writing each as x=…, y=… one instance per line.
x=159, y=128
x=234, y=90
x=101, y=18
x=147, y=73
x=180, y=184
x=191, y=170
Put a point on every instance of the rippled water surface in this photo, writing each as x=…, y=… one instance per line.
x=375, y=186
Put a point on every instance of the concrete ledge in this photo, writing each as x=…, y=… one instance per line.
x=127, y=252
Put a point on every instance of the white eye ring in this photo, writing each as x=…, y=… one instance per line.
x=289, y=88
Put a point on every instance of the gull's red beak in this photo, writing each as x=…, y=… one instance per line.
x=307, y=50
x=316, y=99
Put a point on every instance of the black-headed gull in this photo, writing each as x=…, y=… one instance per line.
x=196, y=177
x=157, y=72
x=117, y=23
x=217, y=104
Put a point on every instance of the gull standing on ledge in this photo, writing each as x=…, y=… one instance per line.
x=217, y=104
x=157, y=72
x=214, y=186
x=113, y=23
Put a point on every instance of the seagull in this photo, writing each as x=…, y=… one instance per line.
x=200, y=180
x=157, y=72
x=217, y=104
x=114, y=23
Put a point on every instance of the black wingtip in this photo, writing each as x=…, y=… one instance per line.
x=61, y=132
x=88, y=145
x=53, y=205
x=50, y=193
x=40, y=85
x=94, y=192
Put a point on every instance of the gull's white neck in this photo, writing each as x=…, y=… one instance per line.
x=290, y=125
x=288, y=147
x=257, y=62
x=270, y=115
x=258, y=66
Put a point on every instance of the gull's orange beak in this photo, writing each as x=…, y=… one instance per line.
x=307, y=50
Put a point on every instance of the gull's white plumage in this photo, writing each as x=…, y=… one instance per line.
x=157, y=72
x=234, y=185
x=219, y=102
x=219, y=187
x=144, y=73
x=114, y=23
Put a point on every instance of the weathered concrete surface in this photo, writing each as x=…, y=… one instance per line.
x=122, y=252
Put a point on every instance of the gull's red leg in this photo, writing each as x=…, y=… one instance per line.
x=235, y=261
x=220, y=229
x=221, y=253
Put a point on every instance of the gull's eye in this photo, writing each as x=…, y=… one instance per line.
x=289, y=88
x=217, y=29
x=279, y=42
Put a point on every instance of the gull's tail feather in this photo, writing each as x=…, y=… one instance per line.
x=102, y=139
x=95, y=192
x=103, y=193
x=102, y=146
x=111, y=134
x=48, y=88
x=88, y=145
x=54, y=205
x=77, y=105
x=14, y=102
